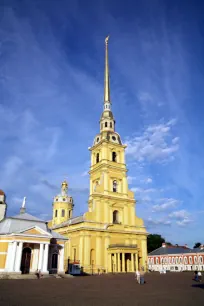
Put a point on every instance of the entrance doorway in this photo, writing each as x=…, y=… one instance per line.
x=25, y=261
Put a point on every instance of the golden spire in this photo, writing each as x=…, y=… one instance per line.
x=106, y=77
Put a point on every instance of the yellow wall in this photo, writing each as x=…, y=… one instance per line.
x=2, y=260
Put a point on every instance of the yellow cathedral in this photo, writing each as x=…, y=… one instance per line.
x=109, y=237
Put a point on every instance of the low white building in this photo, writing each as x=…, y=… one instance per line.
x=27, y=245
x=176, y=258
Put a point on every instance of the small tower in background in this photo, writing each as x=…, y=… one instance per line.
x=62, y=206
x=3, y=205
x=22, y=210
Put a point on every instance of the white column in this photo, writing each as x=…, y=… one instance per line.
x=45, y=259
x=13, y=257
x=61, y=260
x=40, y=256
x=9, y=256
x=35, y=259
x=18, y=257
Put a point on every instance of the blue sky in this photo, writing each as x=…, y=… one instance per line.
x=51, y=96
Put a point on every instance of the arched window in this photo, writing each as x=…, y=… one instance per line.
x=115, y=186
x=176, y=260
x=190, y=260
x=106, y=124
x=201, y=259
x=115, y=217
x=56, y=213
x=173, y=260
x=180, y=260
x=69, y=213
x=169, y=260
x=110, y=124
x=114, y=155
x=185, y=260
x=63, y=212
x=97, y=158
x=195, y=259
x=157, y=260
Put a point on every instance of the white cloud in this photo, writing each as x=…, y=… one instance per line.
x=85, y=173
x=167, y=204
x=175, y=140
x=143, y=195
x=152, y=222
x=140, y=190
x=131, y=179
x=156, y=143
x=184, y=222
x=179, y=214
x=144, y=97
x=148, y=180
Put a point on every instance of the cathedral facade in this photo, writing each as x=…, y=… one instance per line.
x=109, y=237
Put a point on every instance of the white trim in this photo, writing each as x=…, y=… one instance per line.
x=30, y=235
x=26, y=241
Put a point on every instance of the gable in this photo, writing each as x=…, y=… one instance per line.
x=35, y=231
x=32, y=231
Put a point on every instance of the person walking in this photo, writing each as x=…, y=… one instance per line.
x=199, y=276
x=137, y=276
x=196, y=276
x=142, y=273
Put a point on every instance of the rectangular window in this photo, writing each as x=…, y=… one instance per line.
x=63, y=212
x=55, y=213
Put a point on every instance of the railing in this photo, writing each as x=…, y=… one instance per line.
x=130, y=246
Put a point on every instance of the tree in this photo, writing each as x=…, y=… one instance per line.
x=154, y=241
x=197, y=245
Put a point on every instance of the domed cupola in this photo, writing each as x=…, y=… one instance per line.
x=62, y=205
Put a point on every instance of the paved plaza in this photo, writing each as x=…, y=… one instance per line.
x=170, y=289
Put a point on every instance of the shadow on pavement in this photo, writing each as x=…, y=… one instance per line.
x=201, y=286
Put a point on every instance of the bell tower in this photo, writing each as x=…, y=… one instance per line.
x=62, y=206
x=110, y=200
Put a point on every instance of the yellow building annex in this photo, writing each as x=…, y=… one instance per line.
x=109, y=237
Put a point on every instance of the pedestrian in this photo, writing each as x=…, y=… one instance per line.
x=199, y=276
x=38, y=274
x=196, y=276
x=137, y=276
x=142, y=273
